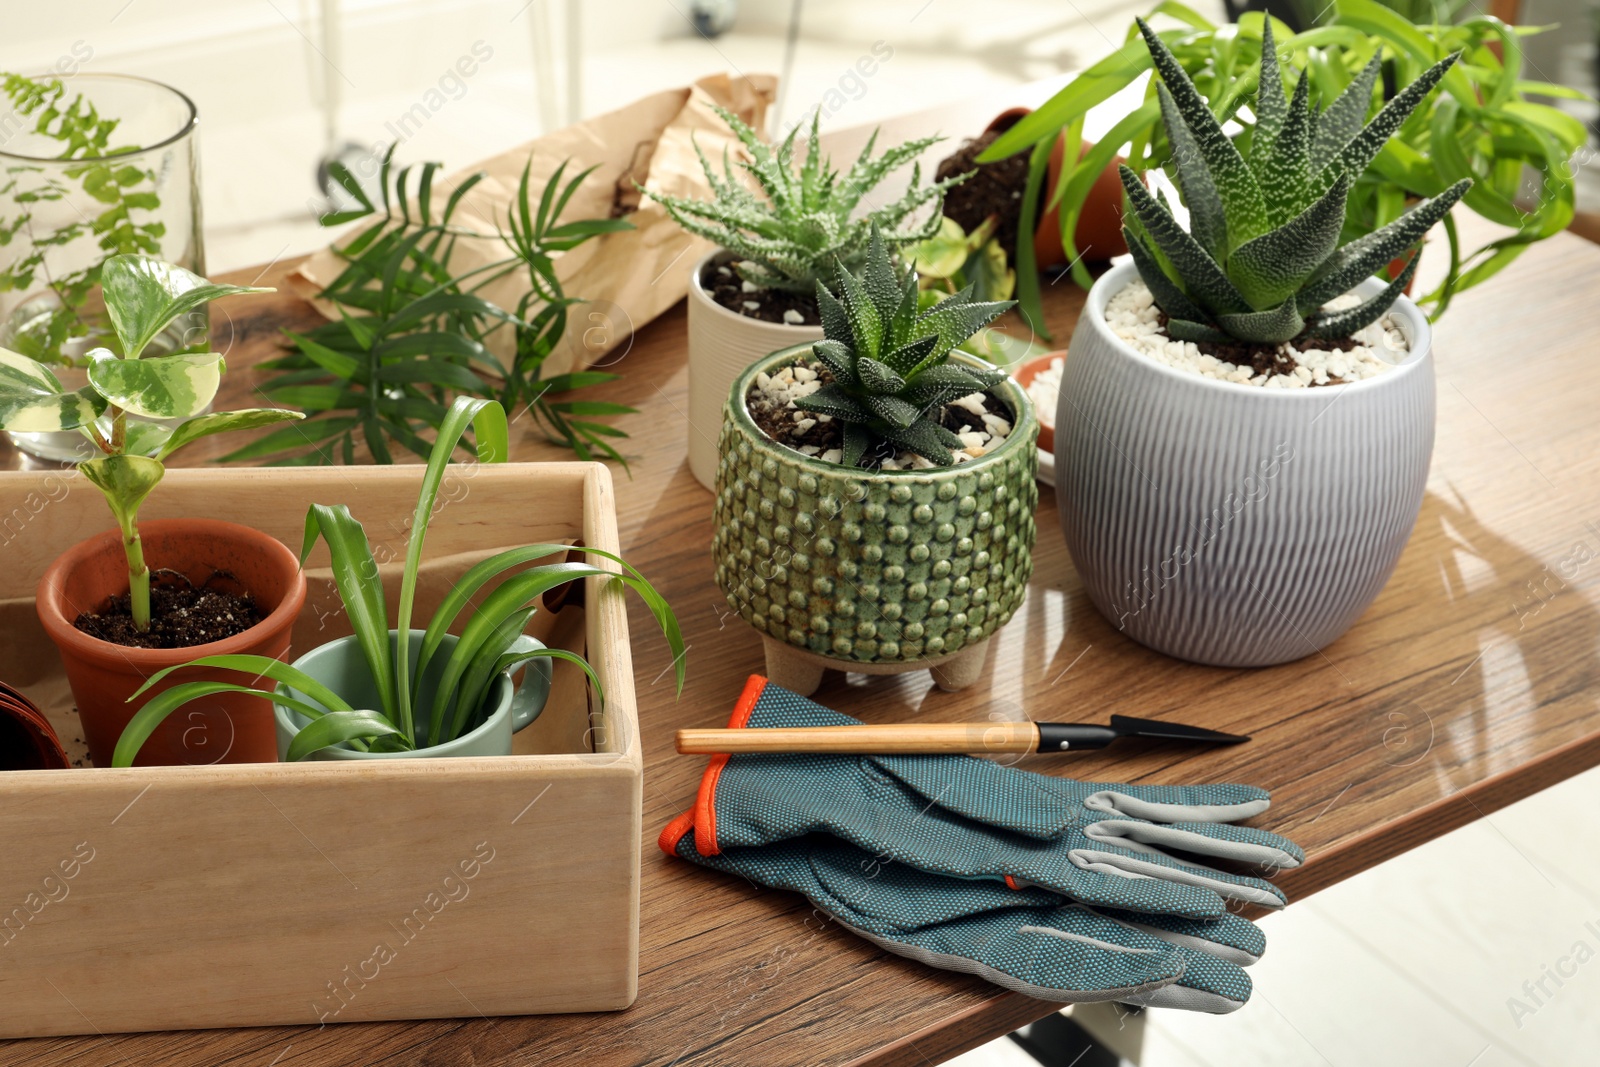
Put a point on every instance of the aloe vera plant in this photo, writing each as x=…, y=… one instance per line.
x=1262, y=255
x=790, y=235
x=142, y=296
x=484, y=649
x=891, y=367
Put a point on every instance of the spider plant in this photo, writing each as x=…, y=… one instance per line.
x=484, y=648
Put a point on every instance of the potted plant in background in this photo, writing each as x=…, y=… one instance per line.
x=1217, y=505
x=875, y=489
x=372, y=696
x=1480, y=126
x=109, y=168
x=755, y=295
x=223, y=587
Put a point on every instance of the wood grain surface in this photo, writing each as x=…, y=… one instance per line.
x=1472, y=681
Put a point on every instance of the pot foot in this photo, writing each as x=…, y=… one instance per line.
x=795, y=669
x=961, y=669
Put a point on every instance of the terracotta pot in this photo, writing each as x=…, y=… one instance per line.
x=227, y=728
x=1098, y=234
x=1025, y=374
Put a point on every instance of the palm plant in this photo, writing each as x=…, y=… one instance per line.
x=1262, y=256
x=891, y=366
x=790, y=236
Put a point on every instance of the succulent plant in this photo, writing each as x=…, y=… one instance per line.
x=789, y=237
x=1261, y=255
x=891, y=366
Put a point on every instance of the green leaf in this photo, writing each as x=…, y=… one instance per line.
x=1342, y=324
x=866, y=325
x=224, y=422
x=1271, y=268
x=335, y=728
x=125, y=481
x=32, y=400
x=1354, y=157
x=1271, y=106
x=832, y=400
x=878, y=378
x=1166, y=292
x=162, y=387
x=158, y=707
x=1366, y=255
x=837, y=357
x=360, y=586
x=1203, y=280
x=488, y=420
x=143, y=294
x=1273, y=326
x=1208, y=221
x=1345, y=117
x=1242, y=198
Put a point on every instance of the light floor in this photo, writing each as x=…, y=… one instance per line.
x=1479, y=949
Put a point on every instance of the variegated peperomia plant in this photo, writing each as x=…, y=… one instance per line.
x=1260, y=258
x=142, y=296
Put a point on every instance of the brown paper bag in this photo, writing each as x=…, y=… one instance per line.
x=625, y=279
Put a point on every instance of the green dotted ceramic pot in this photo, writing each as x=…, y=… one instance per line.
x=872, y=571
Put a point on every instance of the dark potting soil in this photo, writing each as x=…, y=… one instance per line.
x=1268, y=358
x=777, y=422
x=996, y=189
x=723, y=283
x=181, y=615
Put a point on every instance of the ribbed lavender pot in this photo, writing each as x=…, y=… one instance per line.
x=1228, y=524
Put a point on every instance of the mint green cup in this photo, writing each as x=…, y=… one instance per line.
x=341, y=667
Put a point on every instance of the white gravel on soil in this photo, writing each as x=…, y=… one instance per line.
x=986, y=430
x=1045, y=389
x=1134, y=317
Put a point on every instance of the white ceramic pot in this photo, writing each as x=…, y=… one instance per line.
x=722, y=344
x=1228, y=524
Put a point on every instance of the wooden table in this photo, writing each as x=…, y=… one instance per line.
x=1472, y=682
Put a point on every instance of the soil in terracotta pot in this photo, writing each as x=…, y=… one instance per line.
x=723, y=284
x=181, y=615
x=817, y=436
x=995, y=189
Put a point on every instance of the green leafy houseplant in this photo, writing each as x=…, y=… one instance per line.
x=143, y=295
x=952, y=259
x=413, y=332
x=1480, y=126
x=1262, y=255
x=483, y=651
x=83, y=134
x=804, y=220
x=891, y=367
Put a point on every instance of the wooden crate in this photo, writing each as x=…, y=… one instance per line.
x=233, y=895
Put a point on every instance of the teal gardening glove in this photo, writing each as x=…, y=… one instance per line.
x=1029, y=940
x=1022, y=938
x=1102, y=845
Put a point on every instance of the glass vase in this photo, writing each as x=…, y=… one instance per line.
x=90, y=167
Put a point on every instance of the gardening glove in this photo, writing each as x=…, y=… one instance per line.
x=1028, y=940
x=1103, y=845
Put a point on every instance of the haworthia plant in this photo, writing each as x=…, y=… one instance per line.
x=789, y=236
x=143, y=295
x=891, y=366
x=1261, y=256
